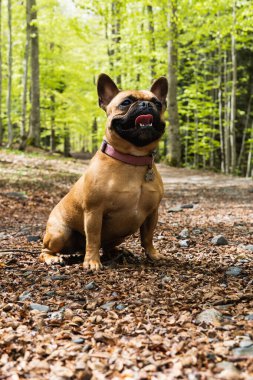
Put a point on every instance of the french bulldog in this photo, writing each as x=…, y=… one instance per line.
x=120, y=191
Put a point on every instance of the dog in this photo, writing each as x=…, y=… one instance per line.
x=120, y=192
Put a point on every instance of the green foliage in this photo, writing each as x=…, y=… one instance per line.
x=128, y=40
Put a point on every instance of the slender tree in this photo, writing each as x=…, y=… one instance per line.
x=249, y=172
x=66, y=141
x=34, y=132
x=246, y=125
x=152, y=46
x=25, y=76
x=174, y=137
x=116, y=38
x=227, y=101
x=52, y=121
x=1, y=76
x=233, y=92
x=9, y=91
x=220, y=93
x=94, y=136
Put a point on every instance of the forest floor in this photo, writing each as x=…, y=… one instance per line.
x=190, y=317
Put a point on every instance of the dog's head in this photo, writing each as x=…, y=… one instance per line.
x=134, y=116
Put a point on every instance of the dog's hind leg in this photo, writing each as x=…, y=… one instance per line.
x=56, y=239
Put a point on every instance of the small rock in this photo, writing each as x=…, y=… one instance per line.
x=78, y=340
x=57, y=315
x=16, y=195
x=166, y=279
x=197, y=231
x=120, y=306
x=234, y=271
x=3, y=235
x=219, y=240
x=50, y=293
x=243, y=261
x=184, y=234
x=210, y=317
x=244, y=351
x=249, y=247
x=108, y=305
x=24, y=296
x=249, y=317
x=229, y=371
x=32, y=238
x=59, y=277
x=188, y=205
x=175, y=209
x=246, y=342
x=27, y=273
x=91, y=286
x=37, y=306
x=184, y=243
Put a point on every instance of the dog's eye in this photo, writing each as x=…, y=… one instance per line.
x=158, y=104
x=126, y=102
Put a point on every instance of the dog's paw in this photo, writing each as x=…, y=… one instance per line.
x=50, y=259
x=155, y=256
x=93, y=265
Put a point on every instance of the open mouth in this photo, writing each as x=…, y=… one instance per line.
x=144, y=121
x=139, y=129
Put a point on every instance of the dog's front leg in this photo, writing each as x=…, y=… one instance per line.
x=92, y=225
x=147, y=232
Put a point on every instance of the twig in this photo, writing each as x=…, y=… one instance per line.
x=237, y=358
x=245, y=297
x=18, y=250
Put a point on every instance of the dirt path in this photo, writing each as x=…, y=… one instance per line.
x=188, y=318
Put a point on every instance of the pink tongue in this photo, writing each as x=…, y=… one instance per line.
x=144, y=119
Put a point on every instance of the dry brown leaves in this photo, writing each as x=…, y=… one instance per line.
x=134, y=319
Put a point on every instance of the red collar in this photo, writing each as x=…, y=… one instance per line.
x=127, y=158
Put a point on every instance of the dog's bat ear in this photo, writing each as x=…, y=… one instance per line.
x=107, y=90
x=160, y=89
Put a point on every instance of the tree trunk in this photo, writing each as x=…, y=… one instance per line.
x=25, y=76
x=10, y=129
x=151, y=41
x=140, y=48
x=116, y=38
x=222, y=144
x=52, y=135
x=226, y=117
x=249, y=172
x=34, y=132
x=245, y=129
x=196, y=139
x=109, y=50
x=66, y=141
x=1, y=77
x=94, y=136
x=174, y=136
x=233, y=93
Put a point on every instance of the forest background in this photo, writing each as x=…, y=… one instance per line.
x=51, y=53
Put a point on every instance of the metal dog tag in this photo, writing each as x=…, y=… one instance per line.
x=150, y=175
